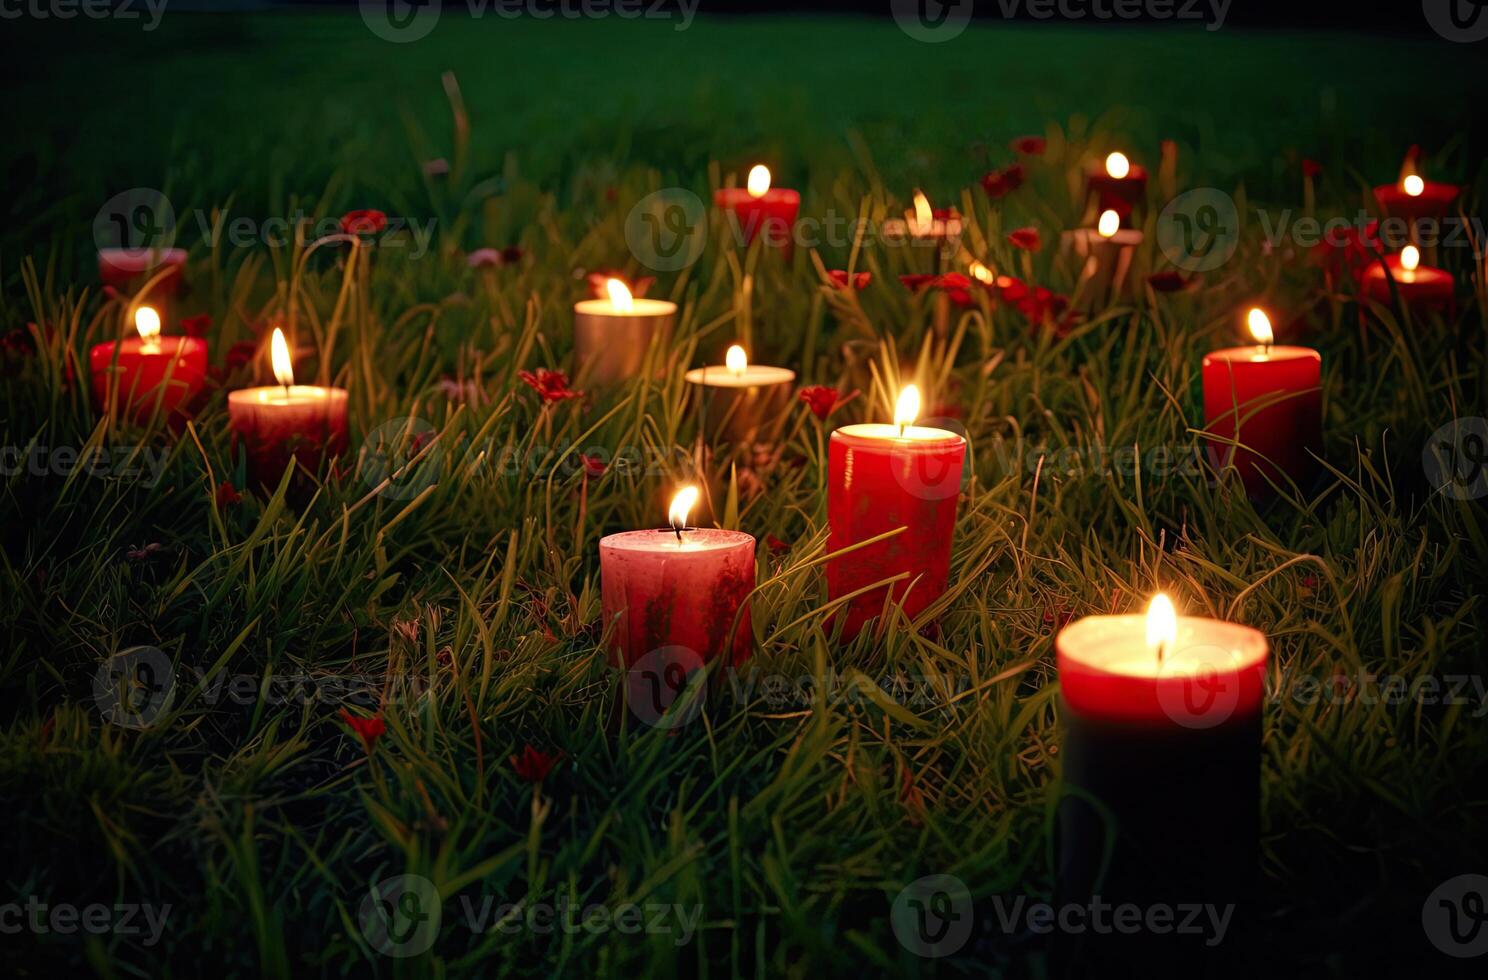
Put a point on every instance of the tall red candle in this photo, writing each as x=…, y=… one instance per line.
x=287, y=422
x=148, y=371
x=680, y=589
x=1414, y=199
x=1422, y=289
x=124, y=268
x=1117, y=184
x=1269, y=400
x=883, y=478
x=760, y=209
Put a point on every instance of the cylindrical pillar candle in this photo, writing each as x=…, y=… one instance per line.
x=924, y=225
x=148, y=371
x=742, y=404
x=678, y=589
x=286, y=423
x=125, y=268
x=1422, y=289
x=1161, y=761
x=1269, y=401
x=1414, y=199
x=1117, y=185
x=758, y=210
x=1106, y=251
x=613, y=337
x=883, y=478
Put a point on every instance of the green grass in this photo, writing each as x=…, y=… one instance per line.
x=473, y=605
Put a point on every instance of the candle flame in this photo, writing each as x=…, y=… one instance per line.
x=924, y=218
x=1118, y=166
x=981, y=273
x=147, y=322
x=1260, y=327
x=279, y=354
x=1162, y=625
x=1109, y=222
x=1413, y=185
x=681, y=503
x=736, y=360
x=620, y=296
x=1410, y=258
x=908, y=407
x=759, y=180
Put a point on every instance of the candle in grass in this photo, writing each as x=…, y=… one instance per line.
x=148, y=372
x=1268, y=399
x=922, y=223
x=1414, y=198
x=286, y=423
x=742, y=404
x=126, y=268
x=1117, y=184
x=1161, y=757
x=679, y=591
x=613, y=337
x=881, y=478
x=759, y=210
x=1422, y=289
x=1107, y=253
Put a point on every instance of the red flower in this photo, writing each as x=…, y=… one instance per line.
x=1039, y=306
x=1348, y=252
x=369, y=730
x=1027, y=239
x=599, y=290
x=1169, y=281
x=241, y=354
x=821, y=399
x=1000, y=183
x=1311, y=168
x=196, y=326
x=953, y=284
x=594, y=467
x=512, y=254
x=775, y=545
x=227, y=495
x=1030, y=145
x=551, y=386
x=533, y=765
x=857, y=280
x=363, y=222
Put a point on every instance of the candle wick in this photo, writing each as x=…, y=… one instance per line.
x=1160, y=649
x=901, y=429
x=678, y=530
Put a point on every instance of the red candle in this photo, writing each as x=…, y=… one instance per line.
x=1117, y=185
x=924, y=224
x=286, y=423
x=757, y=209
x=1413, y=198
x=680, y=589
x=1269, y=400
x=123, y=268
x=883, y=478
x=1422, y=289
x=148, y=371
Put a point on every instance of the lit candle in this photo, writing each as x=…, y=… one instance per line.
x=1268, y=399
x=287, y=422
x=1422, y=289
x=1117, y=185
x=1413, y=197
x=883, y=478
x=922, y=223
x=148, y=370
x=1107, y=253
x=613, y=337
x=1161, y=757
x=743, y=404
x=759, y=209
x=678, y=587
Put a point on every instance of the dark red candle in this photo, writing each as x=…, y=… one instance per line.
x=760, y=210
x=679, y=592
x=1269, y=400
x=1422, y=289
x=1117, y=185
x=125, y=268
x=1413, y=198
x=287, y=422
x=148, y=372
x=883, y=478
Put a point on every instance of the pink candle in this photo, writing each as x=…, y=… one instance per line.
x=287, y=422
x=1422, y=289
x=148, y=371
x=760, y=209
x=678, y=587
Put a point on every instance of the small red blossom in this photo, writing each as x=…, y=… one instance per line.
x=1000, y=183
x=821, y=399
x=512, y=254
x=594, y=467
x=1040, y=306
x=365, y=221
x=551, y=386
x=1028, y=239
x=775, y=545
x=1032, y=146
x=841, y=279
x=369, y=730
x=241, y=354
x=1169, y=281
x=533, y=765
x=953, y=284
x=227, y=495
x=1311, y=168
x=598, y=289
x=1056, y=617
x=196, y=326
x=142, y=552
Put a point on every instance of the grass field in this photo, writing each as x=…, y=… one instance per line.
x=464, y=605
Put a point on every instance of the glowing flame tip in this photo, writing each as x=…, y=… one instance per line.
x=1109, y=222
x=682, y=502
x=1162, y=624
x=1410, y=258
x=279, y=355
x=736, y=360
x=1260, y=327
x=1413, y=185
x=908, y=407
x=620, y=295
x=147, y=322
x=759, y=180
x=1118, y=166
